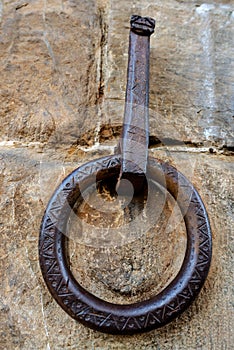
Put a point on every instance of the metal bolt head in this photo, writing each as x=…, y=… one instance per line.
x=142, y=25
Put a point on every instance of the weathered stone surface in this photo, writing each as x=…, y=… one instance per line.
x=50, y=69
x=128, y=263
x=63, y=77
x=191, y=75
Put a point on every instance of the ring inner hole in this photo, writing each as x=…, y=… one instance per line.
x=125, y=249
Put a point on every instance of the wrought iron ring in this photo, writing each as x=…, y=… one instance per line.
x=141, y=316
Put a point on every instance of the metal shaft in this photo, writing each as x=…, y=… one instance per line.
x=134, y=142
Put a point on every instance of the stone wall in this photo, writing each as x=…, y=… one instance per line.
x=63, y=78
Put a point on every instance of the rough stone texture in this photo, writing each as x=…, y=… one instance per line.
x=63, y=77
x=130, y=260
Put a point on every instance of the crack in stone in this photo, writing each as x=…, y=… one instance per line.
x=103, y=52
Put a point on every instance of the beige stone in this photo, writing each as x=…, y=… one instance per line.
x=63, y=77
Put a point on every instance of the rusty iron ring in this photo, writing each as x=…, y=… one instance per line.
x=141, y=316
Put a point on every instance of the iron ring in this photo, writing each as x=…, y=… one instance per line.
x=141, y=316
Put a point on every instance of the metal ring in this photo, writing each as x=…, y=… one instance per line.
x=141, y=316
